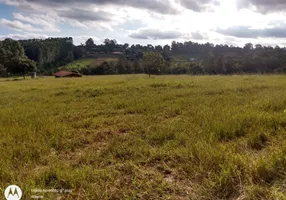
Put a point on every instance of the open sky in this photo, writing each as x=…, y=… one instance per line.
x=232, y=22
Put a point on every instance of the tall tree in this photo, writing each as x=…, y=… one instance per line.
x=21, y=66
x=2, y=70
x=49, y=53
x=10, y=49
x=13, y=59
x=89, y=44
x=70, y=57
x=248, y=47
x=152, y=62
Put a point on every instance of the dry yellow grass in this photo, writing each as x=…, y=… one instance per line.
x=134, y=137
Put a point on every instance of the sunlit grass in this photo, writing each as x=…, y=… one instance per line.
x=134, y=137
x=85, y=62
x=79, y=64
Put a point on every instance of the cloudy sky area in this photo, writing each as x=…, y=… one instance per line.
x=232, y=22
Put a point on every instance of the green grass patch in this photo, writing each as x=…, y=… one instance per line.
x=79, y=64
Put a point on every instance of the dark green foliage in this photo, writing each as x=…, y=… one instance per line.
x=78, y=52
x=137, y=67
x=223, y=59
x=70, y=57
x=122, y=66
x=196, y=68
x=11, y=47
x=209, y=64
x=89, y=44
x=179, y=58
x=13, y=59
x=180, y=68
x=49, y=53
x=153, y=63
x=21, y=66
x=110, y=44
x=103, y=68
x=2, y=70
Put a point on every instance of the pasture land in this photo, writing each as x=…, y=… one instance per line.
x=134, y=137
x=86, y=62
x=79, y=64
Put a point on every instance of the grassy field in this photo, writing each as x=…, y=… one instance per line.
x=134, y=137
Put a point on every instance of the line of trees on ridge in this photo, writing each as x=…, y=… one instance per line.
x=46, y=56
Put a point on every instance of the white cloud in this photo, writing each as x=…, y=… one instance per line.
x=81, y=39
x=24, y=36
x=155, y=33
x=78, y=39
x=19, y=26
x=160, y=33
x=152, y=19
x=263, y=6
x=47, y=22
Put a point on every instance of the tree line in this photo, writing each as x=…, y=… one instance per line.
x=45, y=56
x=49, y=53
x=189, y=58
x=13, y=59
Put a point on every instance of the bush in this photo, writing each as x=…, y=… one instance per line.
x=103, y=68
x=196, y=68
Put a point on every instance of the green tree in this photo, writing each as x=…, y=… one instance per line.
x=136, y=66
x=70, y=57
x=21, y=66
x=248, y=47
x=196, y=68
x=105, y=68
x=110, y=44
x=89, y=44
x=219, y=65
x=10, y=49
x=122, y=65
x=152, y=62
x=78, y=52
x=209, y=64
x=166, y=52
x=13, y=59
x=2, y=70
x=49, y=53
x=168, y=65
x=258, y=47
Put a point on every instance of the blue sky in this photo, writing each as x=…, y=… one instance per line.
x=232, y=22
x=6, y=12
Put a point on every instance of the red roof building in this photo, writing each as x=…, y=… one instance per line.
x=62, y=73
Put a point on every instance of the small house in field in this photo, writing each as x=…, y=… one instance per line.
x=63, y=74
